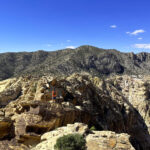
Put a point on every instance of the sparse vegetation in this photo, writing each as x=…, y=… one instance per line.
x=93, y=128
x=70, y=142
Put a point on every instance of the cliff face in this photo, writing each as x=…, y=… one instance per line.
x=137, y=92
x=119, y=104
x=89, y=59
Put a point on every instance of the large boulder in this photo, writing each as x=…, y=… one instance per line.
x=107, y=140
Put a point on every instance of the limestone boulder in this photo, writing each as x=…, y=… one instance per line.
x=107, y=140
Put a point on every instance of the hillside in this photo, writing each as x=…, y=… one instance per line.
x=89, y=59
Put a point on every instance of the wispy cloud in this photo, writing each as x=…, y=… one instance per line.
x=68, y=40
x=142, y=46
x=72, y=47
x=113, y=26
x=48, y=45
x=140, y=38
x=136, y=32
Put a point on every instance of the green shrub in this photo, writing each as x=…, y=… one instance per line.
x=70, y=142
x=93, y=128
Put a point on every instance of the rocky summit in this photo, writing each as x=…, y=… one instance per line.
x=96, y=61
x=116, y=106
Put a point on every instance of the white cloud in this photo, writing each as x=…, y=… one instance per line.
x=136, y=32
x=49, y=45
x=68, y=40
x=143, y=46
x=72, y=47
x=113, y=26
x=128, y=32
x=140, y=38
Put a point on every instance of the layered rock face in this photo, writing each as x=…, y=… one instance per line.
x=119, y=104
x=137, y=91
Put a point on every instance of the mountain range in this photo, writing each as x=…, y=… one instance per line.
x=96, y=61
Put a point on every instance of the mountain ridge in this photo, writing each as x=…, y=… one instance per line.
x=96, y=61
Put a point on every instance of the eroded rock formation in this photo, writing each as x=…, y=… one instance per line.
x=95, y=140
x=119, y=104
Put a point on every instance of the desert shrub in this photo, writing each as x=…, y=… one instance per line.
x=93, y=128
x=70, y=142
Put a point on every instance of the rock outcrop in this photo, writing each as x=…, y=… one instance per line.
x=118, y=105
x=9, y=91
x=137, y=91
x=95, y=140
x=40, y=117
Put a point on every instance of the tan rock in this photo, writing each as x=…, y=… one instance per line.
x=119, y=104
x=98, y=140
x=6, y=129
x=108, y=140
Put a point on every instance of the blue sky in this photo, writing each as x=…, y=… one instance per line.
x=29, y=25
